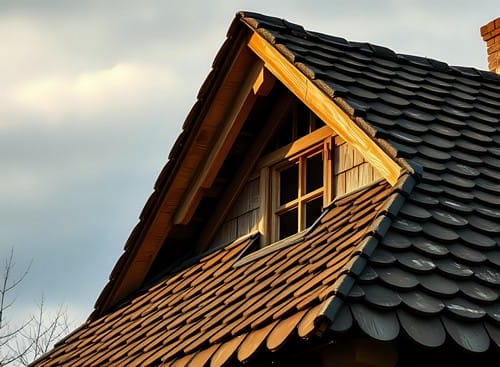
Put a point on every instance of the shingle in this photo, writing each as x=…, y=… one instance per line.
x=438, y=285
x=415, y=262
x=422, y=303
x=397, y=277
x=470, y=336
x=429, y=247
x=380, y=325
x=381, y=296
x=427, y=331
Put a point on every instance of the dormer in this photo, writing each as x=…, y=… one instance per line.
x=304, y=166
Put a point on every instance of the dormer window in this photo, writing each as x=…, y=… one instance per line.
x=295, y=175
x=305, y=165
x=298, y=177
x=300, y=186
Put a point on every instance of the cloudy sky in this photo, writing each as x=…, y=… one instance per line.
x=93, y=94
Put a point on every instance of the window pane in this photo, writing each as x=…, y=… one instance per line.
x=314, y=172
x=289, y=184
x=313, y=210
x=288, y=223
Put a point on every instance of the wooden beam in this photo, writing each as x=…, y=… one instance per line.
x=324, y=107
x=238, y=111
x=264, y=82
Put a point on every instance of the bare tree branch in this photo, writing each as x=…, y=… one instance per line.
x=21, y=344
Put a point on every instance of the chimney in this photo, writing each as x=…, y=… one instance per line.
x=491, y=35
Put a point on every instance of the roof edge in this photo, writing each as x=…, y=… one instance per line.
x=381, y=224
x=153, y=216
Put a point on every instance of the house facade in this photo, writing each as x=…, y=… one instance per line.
x=327, y=203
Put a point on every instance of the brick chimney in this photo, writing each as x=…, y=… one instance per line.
x=491, y=35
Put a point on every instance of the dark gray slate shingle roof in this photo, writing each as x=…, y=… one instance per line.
x=436, y=272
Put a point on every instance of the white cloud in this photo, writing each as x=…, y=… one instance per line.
x=121, y=88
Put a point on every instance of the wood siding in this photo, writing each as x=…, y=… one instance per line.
x=244, y=215
x=350, y=170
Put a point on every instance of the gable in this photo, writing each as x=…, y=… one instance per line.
x=337, y=167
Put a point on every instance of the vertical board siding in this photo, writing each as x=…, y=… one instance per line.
x=243, y=217
x=351, y=171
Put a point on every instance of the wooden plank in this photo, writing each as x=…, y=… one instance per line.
x=357, y=157
x=265, y=202
x=324, y=107
x=253, y=195
x=340, y=184
x=352, y=179
x=365, y=174
x=328, y=177
x=264, y=82
x=239, y=109
x=244, y=224
x=254, y=341
x=345, y=158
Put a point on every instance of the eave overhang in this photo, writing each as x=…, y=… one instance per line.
x=235, y=80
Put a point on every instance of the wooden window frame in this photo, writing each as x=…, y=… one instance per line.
x=320, y=140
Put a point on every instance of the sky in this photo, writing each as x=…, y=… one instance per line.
x=93, y=94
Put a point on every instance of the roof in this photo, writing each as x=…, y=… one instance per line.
x=425, y=263
x=219, y=307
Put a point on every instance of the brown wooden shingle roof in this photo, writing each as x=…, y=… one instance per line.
x=223, y=306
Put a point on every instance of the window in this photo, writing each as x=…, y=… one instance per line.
x=295, y=176
x=298, y=193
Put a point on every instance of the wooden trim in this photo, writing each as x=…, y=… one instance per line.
x=239, y=110
x=264, y=82
x=296, y=147
x=265, y=204
x=324, y=107
x=328, y=179
x=244, y=172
